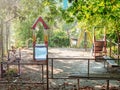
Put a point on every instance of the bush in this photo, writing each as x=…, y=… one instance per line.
x=59, y=39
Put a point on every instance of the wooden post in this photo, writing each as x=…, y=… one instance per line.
x=34, y=42
x=47, y=70
x=110, y=48
x=45, y=42
x=85, y=40
x=118, y=47
x=107, y=88
x=78, y=87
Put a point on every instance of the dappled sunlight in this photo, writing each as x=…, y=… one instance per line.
x=67, y=61
x=97, y=67
x=67, y=67
x=69, y=52
x=73, y=61
x=75, y=34
x=32, y=68
x=57, y=71
x=63, y=66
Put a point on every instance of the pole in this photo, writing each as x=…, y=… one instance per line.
x=47, y=71
x=85, y=40
x=107, y=88
x=88, y=67
x=110, y=48
x=118, y=46
x=34, y=42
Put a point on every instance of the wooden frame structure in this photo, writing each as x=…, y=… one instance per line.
x=43, y=61
x=99, y=46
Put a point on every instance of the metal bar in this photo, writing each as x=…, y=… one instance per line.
x=1, y=70
x=88, y=67
x=20, y=82
x=64, y=58
x=61, y=78
x=107, y=88
x=42, y=73
x=91, y=78
x=47, y=70
x=52, y=68
x=78, y=84
x=33, y=63
x=19, y=67
x=86, y=77
x=44, y=62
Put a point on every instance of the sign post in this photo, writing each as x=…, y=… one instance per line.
x=40, y=52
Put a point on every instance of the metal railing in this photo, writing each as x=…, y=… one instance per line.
x=80, y=68
x=114, y=50
x=67, y=68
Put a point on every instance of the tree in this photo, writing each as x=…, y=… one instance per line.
x=87, y=14
x=49, y=11
x=94, y=13
x=7, y=9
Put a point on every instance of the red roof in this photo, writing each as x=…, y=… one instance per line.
x=42, y=21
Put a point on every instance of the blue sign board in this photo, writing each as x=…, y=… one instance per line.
x=40, y=52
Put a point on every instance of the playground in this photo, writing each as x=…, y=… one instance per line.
x=44, y=68
x=74, y=62
x=59, y=45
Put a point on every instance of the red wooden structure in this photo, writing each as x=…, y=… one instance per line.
x=34, y=36
x=45, y=27
x=41, y=49
x=99, y=46
x=42, y=21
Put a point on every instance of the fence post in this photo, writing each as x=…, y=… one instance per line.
x=110, y=48
x=88, y=67
x=107, y=88
x=52, y=68
x=118, y=48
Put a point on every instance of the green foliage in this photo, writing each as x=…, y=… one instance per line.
x=96, y=13
x=11, y=73
x=87, y=14
x=59, y=39
x=27, y=14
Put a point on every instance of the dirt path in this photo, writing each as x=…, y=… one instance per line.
x=62, y=68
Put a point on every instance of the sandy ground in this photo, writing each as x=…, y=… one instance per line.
x=63, y=68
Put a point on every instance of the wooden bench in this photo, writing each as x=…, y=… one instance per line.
x=110, y=62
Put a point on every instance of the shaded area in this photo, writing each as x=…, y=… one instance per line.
x=62, y=68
